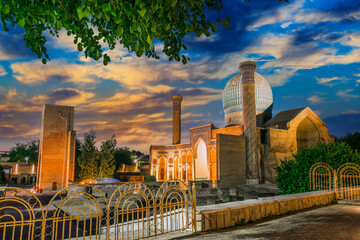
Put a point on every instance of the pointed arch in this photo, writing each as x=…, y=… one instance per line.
x=201, y=163
x=183, y=157
x=162, y=169
x=307, y=134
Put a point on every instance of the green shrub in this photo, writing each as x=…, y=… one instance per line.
x=150, y=179
x=293, y=173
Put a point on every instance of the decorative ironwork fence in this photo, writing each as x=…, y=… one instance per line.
x=349, y=181
x=321, y=177
x=345, y=181
x=134, y=211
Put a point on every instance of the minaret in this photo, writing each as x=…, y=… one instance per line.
x=176, y=118
x=249, y=113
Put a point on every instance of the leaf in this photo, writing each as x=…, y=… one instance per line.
x=107, y=17
x=119, y=21
x=207, y=33
x=44, y=60
x=119, y=31
x=142, y=12
x=79, y=12
x=213, y=27
x=225, y=24
x=6, y=9
x=85, y=14
x=172, y=3
x=149, y=39
x=79, y=47
x=106, y=59
x=58, y=25
x=21, y=23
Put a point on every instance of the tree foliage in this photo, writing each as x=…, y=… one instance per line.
x=353, y=140
x=293, y=173
x=2, y=175
x=133, y=23
x=89, y=158
x=107, y=158
x=29, y=150
x=78, y=146
x=123, y=155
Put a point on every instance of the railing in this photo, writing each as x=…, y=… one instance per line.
x=134, y=211
x=345, y=182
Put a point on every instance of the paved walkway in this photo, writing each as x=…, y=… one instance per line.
x=332, y=222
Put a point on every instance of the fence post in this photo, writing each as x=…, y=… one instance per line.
x=43, y=226
x=194, y=207
x=335, y=185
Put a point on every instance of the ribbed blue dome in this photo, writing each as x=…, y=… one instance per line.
x=232, y=98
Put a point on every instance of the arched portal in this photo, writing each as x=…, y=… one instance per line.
x=162, y=169
x=307, y=134
x=201, y=169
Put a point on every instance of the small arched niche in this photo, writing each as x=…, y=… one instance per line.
x=162, y=169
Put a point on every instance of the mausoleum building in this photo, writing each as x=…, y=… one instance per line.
x=250, y=145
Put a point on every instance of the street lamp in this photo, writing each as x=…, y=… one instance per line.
x=27, y=159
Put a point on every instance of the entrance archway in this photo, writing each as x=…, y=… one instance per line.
x=307, y=134
x=201, y=169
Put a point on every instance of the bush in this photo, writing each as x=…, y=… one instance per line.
x=293, y=173
x=150, y=179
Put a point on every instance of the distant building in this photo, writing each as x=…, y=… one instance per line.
x=57, y=147
x=4, y=156
x=19, y=173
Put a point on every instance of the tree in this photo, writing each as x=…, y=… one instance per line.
x=293, y=173
x=133, y=23
x=123, y=155
x=107, y=158
x=2, y=175
x=25, y=151
x=353, y=140
x=89, y=158
x=78, y=147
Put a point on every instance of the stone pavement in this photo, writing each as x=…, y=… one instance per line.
x=331, y=222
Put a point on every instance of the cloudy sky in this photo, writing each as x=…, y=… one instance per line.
x=309, y=51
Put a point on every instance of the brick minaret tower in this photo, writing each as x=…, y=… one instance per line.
x=176, y=119
x=249, y=113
